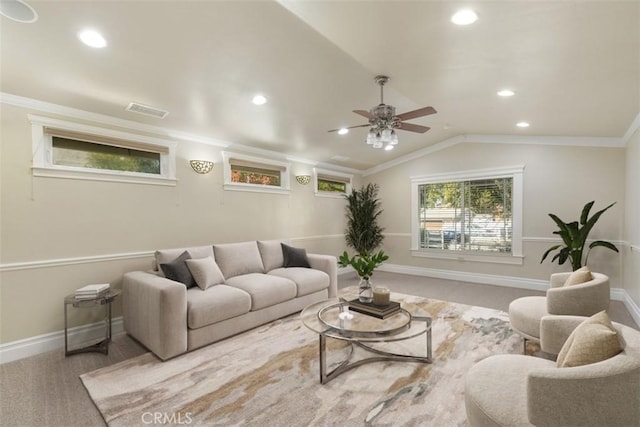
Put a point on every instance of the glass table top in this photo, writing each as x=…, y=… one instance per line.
x=326, y=318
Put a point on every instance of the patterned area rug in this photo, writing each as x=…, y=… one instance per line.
x=269, y=377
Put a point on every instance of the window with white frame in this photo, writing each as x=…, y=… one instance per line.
x=477, y=214
x=248, y=173
x=71, y=150
x=331, y=184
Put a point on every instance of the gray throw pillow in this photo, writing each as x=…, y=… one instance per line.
x=205, y=272
x=294, y=257
x=177, y=270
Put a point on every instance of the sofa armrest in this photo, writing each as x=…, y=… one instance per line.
x=554, y=331
x=154, y=311
x=558, y=279
x=328, y=264
x=599, y=394
x=584, y=299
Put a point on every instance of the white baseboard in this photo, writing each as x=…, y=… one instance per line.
x=55, y=340
x=42, y=343
x=485, y=279
x=617, y=294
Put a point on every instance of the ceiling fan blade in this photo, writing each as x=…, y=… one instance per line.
x=413, y=128
x=350, y=127
x=364, y=113
x=417, y=113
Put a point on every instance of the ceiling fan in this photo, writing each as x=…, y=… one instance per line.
x=383, y=121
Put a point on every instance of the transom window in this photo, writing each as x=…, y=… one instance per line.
x=473, y=213
x=82, y=154
x=331, y=184
x=255, y=175
x=72, y=150
x=248, y=173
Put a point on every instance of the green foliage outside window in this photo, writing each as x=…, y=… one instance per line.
x=331, y=186
x=83, y=154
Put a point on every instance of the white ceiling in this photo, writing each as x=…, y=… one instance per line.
x=575, y=67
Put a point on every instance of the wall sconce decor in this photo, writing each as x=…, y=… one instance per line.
x=303, y=179
x=201, y=166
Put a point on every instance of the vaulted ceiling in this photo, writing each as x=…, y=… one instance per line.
x=574, y=65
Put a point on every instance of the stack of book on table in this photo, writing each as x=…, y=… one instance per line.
x=92, y=291
x=371, y=309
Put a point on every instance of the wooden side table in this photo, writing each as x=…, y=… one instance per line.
x=105, y=299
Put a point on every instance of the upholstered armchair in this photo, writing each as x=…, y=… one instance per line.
x=518, y=390
x=583, y=299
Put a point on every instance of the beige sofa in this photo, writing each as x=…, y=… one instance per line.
x=170, y=319
x=584, y=299
x=517, y=390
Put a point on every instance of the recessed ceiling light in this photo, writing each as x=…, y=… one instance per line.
x=259, y=100
x=506, y=92
x=92, y=38
x=464, y=17
x=522, y=124
x=343, y=131
x=18, y=11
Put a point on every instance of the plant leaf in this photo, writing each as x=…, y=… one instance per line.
x=604, y=244
x=552, y=248
x=585, y=212
x=591, y=222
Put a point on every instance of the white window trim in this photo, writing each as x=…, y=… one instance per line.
x=517, y=198
x=42, y=154
x=285, y=182
x=343, y=177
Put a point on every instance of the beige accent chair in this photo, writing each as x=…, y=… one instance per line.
x=518, y=390
x=584, y=299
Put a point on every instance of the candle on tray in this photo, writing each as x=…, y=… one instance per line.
x=381, y=296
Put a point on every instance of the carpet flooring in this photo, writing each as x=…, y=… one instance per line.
x=269, y=377
x=45, y=389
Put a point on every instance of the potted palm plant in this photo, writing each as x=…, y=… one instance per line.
x=364, y=235
x=574, y=237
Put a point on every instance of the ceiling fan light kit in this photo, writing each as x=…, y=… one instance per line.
x=383, y=121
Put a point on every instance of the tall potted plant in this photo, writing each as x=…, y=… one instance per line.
x=574, y=237
x=364, y=235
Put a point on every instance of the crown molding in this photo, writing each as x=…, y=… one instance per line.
x=571, y=141
x=415, y=155
x=74, y=113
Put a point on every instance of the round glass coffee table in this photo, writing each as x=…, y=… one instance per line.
x=332, y=318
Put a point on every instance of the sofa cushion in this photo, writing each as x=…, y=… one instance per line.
x=294, y=257
x=178, y=271
x=265, y=290
x=218, y=303
x=581, y=275
x=235, y=259
x=271, y=252
x=307, y=280
x=594, y=340
x=205, y=272
x=168, y=255
x=525, y=314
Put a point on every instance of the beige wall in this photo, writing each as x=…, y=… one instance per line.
x=44, y=219
x=557, y=179
x=631, y=256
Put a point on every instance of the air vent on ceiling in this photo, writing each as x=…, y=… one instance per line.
x=147, y=110
x=340, y=158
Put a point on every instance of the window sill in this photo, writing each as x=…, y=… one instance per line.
x=330, y=195
x=254, y=188
x=102, y=175
x=469, y=257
